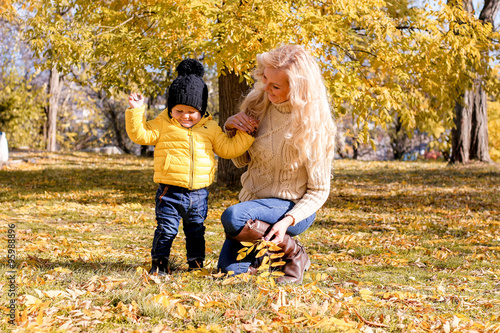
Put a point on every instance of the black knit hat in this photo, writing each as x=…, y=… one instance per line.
x=188, y=87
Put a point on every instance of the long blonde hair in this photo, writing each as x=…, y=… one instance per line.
x=312, y=130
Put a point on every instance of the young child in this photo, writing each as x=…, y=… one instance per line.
x=185, y=139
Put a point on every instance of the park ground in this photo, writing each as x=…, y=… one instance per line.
x=398, y=247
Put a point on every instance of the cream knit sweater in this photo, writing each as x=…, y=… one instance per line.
x=273, y=171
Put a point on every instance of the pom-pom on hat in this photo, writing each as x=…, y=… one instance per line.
x=188, y=87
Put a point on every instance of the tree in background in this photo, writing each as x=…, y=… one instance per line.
x=470, y=134
x=55, y=87
x=385, y=59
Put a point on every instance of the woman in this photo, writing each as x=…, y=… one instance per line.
x=288, y=175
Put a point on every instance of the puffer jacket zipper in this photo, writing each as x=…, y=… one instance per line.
x=191, y=156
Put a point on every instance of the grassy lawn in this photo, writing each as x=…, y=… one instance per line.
x=398, y=247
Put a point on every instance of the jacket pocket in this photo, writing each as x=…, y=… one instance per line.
x=166, y=164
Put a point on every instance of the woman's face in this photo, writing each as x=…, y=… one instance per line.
x=276, y=85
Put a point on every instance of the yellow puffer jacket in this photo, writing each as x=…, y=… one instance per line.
x=184, y=156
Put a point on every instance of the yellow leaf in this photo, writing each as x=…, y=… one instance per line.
x=55, y=293
x=31, y=300
x=299, y=320
x=274, y=247
x=213, y=303
x=247, y=244
x=241, y=256
x=228, y=281
x=278, y=263
x=62, y=270
x=366, y=294
x=265, y=274
x=261, y=253
x=39, y=318
x=277, y=255
x=181, y=310
x=261, y=245
x=162, y=300
x=336, y=309
x=24, y=316
x=342, y=323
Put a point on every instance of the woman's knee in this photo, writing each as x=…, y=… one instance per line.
x=234, y=218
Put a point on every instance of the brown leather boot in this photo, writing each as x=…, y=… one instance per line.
x=296, y=261
x=251, y=232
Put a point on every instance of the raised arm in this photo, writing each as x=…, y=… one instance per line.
x=138, y=129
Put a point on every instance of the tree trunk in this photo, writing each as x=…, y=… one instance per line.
x=117, y=129
x=460, y=134
x=399, y=140
x=145, y=152
x=231, y=90
x=479, y=129
x=470, y=135
x=55, y=86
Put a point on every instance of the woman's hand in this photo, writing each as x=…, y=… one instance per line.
x=278, y=230
x=243, y=122
x=135, y=100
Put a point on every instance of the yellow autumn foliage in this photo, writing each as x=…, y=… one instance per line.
x=494, y=129
x=380, y=58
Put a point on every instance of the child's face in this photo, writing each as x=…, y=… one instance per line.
x=186, y=115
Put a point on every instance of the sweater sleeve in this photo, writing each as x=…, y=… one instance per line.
x=231, y=147
x=139, y=130
x=318, y=190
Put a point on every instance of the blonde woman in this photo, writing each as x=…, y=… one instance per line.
x=288, y=175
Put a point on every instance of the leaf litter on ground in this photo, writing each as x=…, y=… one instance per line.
x=399, y=246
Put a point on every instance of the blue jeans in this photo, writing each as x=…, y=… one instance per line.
x=172, y=204
x=269, y=210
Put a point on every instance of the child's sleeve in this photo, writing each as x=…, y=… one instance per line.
x=139, y=130
x=231, y=147
x=241, y=161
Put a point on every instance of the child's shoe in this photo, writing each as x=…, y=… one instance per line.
x=159, y=266
x=195, y=264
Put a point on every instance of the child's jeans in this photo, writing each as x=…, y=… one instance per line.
x=172, y=204
x=269, y=210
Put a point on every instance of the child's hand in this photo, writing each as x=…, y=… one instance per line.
x=135, y=100
x=243, y=122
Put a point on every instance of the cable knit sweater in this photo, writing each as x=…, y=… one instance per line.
x=274, y=171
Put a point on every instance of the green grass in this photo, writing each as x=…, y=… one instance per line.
x=399, y=246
